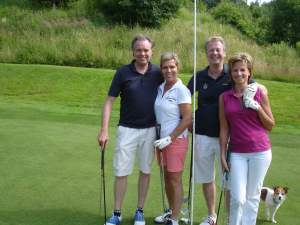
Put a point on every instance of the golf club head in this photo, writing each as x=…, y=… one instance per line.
x=185, y=220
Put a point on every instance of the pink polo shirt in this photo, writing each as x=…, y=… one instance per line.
x=247, y=134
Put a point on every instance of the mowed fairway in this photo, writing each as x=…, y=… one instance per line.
x=49, y=158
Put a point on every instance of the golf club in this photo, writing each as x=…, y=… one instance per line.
x=161, y=169
x=186, y=211
x=224, y=180
x=221, y=194
x=102, y=180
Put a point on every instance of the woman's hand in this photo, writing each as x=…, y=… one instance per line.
x=225, y=167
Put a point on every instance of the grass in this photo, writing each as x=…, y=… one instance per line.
x=51, y=172
x=49, y=159
x=35, y=36
x=84, y=89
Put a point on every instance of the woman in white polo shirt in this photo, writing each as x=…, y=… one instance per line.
x=174, y=114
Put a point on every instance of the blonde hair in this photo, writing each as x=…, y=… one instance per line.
x=166, y=56
x=241, y=57
x=215, y=39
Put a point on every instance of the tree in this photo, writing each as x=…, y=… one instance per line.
x=211, y=3
x=51, y=3
x=285, y=25
x=148, y=13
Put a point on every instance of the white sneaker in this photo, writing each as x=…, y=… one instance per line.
x=210, y=220
x=171, y=222
x=163, y=217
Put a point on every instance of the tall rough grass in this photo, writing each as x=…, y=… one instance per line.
x=68, y=37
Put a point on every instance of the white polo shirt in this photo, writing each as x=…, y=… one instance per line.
x=166, y=107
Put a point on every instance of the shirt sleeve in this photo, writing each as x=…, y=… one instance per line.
x=190, y=85
x=116, y=85
x=184, y=95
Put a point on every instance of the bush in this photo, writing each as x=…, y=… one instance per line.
x=238, y=15
x=278, y=49
x=51, y=3
x=211, y=3
x=146, y=13
x=298, y=47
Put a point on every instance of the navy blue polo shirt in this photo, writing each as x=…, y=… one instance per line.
x=209, y=90
x=138, y=93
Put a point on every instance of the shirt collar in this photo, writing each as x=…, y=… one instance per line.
x=132, y=66
x=224, y=71
x=178, y=82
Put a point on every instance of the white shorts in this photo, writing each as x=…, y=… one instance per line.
x=207, y=150
x=131, y=142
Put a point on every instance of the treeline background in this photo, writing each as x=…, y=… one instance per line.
x=95, y=33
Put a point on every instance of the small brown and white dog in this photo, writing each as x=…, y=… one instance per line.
x=273, y=199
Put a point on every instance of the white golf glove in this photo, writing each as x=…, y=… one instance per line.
x=250, y=91
x=163, y=142
x=252, y=104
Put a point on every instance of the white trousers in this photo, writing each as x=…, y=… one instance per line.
x=247, y=173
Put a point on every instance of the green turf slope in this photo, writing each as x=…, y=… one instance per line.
x=49, y=159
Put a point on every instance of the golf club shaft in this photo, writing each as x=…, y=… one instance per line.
x=224, y=180
x=219, y=205
x=187, y=200
x=191, y=176
x=162, y=180
x=161, y=169
x=103, y=181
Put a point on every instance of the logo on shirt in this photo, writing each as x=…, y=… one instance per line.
x=205, y=86
x=171, y=99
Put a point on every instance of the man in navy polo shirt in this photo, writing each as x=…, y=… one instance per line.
x=137, y=84
x=210, y=83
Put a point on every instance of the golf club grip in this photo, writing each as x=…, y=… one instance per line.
x=157, y=131
x=228, y=153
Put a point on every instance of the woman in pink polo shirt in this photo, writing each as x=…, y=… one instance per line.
x=245, y=121
x=173, y=112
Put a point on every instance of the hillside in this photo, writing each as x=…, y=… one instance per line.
x=50, y=114
x=70, y=37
